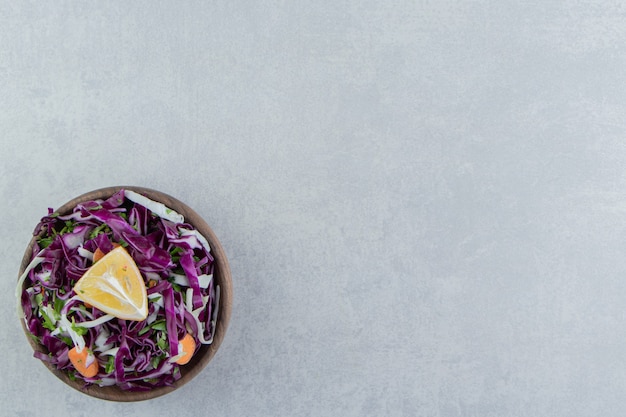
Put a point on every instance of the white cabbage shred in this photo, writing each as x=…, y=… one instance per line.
x=157, y=208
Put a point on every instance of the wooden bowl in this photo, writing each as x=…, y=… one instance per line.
x=222, y=278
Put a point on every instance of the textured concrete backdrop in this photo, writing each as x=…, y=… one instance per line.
x=423, y=202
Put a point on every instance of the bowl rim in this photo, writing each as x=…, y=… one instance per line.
x=221, y=274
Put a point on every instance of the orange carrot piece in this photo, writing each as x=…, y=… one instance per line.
x=186, y=346
x=79, y=360
x=152, y=283
x=97, y=255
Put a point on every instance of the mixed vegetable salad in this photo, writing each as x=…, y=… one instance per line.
x=176, y=266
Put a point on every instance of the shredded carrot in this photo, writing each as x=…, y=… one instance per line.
x=79, y=360
x=152, y=283
x=98, y=254
x=186, y=347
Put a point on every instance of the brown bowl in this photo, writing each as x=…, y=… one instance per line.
x=221, y=274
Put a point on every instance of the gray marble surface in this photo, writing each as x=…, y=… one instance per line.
x=423, y=202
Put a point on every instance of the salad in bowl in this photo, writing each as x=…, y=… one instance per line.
x=121, y=296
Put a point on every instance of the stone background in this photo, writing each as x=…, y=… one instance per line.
x=423, y=202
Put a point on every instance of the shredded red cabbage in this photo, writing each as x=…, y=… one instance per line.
x=134, y=355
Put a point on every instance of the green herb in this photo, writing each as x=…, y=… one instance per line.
x=110, y=365
x=162, y=341
x=103, y=228
x=150, y=327
x=159, y=325
x=55, y=214
x=176, y=250
x=174, y=254
x=79, y=329
x=175, y=286
x=44, y=242
x=47, y=322
x=72, y=375
x=67, y=340
x=144, y=331
x=123, y=243
x=58, y=305
x=39, y=299
x=156, y=360
x=151, y=380
x=69, y=227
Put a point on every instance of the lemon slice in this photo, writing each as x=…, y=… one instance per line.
x=115, y=286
